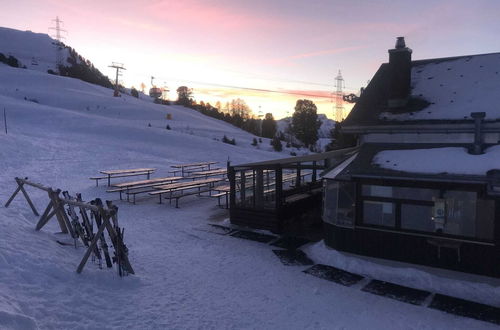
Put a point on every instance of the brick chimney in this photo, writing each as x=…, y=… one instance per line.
x=399, y=74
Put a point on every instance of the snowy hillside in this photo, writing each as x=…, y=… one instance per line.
x=61, y=131
x=36, y=51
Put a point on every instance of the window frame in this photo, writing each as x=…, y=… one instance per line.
x=360, y=198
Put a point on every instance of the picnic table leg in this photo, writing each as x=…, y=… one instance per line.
x=148, y=174
x=109, y=180
x=227, y=202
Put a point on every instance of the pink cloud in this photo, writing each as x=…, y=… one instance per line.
x=313, y=54
x=210, y=15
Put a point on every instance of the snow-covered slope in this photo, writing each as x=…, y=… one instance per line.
x=36, y=51
x=60, y=132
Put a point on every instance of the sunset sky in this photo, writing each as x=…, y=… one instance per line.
x=280, y=45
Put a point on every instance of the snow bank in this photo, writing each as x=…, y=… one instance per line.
x=467, y=286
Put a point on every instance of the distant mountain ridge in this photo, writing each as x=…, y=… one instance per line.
x=39, y=52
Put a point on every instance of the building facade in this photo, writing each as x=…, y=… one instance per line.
x=424, y=186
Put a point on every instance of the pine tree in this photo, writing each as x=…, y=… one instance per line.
x=305, y=122
x=268, y=126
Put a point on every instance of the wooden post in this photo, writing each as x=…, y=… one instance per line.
x=297, y=180
x=259, y=188
x=20, y=184
x=60, y=214
x=279, y=186
x=314, y=172
x=5, y=120
x=45, y=216
x=242, y=187
x=232, y=184
x=93, y=244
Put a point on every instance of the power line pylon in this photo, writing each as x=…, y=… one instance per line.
x=118, y=67
x=59, y=37
x=339, y=105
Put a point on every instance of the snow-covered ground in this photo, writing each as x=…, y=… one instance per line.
x=61, y=131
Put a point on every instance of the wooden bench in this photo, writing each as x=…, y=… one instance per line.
x=184, y=167
x=182, y=192
x=139, y=187
x=97, y=178
x=123, y=173
x=181, y=186
x=206, y=174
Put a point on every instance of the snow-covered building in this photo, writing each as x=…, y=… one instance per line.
x=424, y=186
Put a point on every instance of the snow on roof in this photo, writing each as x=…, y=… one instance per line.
x=450, y=160
x=455, y=88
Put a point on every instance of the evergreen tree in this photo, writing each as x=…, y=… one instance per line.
x=305, y=122
x=184, y=96
x=268, y=126
x=276, y=143
x=134, y=92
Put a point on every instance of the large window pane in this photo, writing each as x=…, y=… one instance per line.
x=346, y=204
x=377, y=191
x=417, y=217
x=330, y=198
x=339, y=203
x=420, y=194
x=460, y=213
x=485, y=219
x=379, y=213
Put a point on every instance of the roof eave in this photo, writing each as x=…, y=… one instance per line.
x=488, y=127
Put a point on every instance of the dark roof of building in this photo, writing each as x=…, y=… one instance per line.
x=442, y=90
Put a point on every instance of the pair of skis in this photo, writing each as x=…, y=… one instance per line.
x=84, y=231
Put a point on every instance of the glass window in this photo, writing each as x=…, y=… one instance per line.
x=339, y=203
x=460, y=213
x=417, y=217
x=419, y=194
x=331, y=189
x=377, y=191
x=485, y=219
x=346, y=204
x=379, y=213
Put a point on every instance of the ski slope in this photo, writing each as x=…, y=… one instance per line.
x=61, y=131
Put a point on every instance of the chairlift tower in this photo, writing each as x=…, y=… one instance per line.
x=339, y=105
x=59, y=37
x=118, y=67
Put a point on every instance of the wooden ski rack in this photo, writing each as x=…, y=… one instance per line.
x=107, y=215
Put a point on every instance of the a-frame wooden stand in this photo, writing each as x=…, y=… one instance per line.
x=55, y=208
x=53, y=205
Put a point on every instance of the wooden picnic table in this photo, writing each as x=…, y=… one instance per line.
x=145, y=182
x=141, y=186
x=199, y=164
x=122, y=173
x=180, y=186
x=209, y=173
